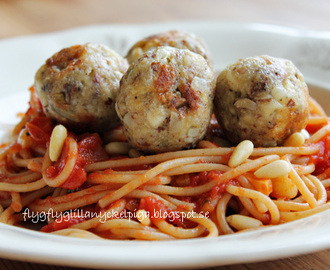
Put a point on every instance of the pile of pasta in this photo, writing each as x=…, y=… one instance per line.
x=95, y=186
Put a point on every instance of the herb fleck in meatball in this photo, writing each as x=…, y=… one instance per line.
x=263, y=99
x=166, y=100
x=78, y=86
x=175, y=38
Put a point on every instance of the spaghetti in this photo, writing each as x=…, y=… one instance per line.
x=94, y=186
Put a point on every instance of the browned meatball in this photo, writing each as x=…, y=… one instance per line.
x=263, y=99
x=166, y=100
x=78, y=86
x=175, y=38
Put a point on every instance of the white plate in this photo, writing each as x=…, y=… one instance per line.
x=21, y=57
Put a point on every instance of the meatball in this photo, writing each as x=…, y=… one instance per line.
x=166, y=100
x=78, y=87
x=262, y=99
x=175, y=38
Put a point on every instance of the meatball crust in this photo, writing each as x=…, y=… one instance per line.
x=175, y=38
x=166, y=100
x=262, y=99
x=78, y=87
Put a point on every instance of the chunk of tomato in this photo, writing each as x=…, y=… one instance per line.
x=40, y=129
x=322, y=159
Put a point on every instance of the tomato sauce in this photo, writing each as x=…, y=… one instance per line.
x=204, y=177
x=312, y=128
x=205, y=202
x=158, y=211
x=322, y=159
x=35, y=108
x=90, y=150
x=40, y=129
